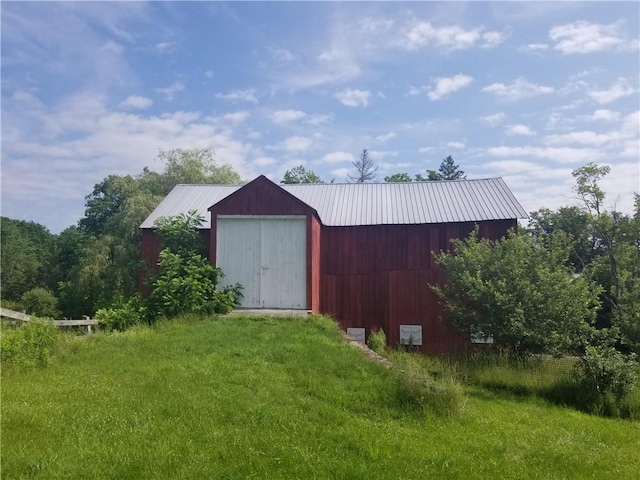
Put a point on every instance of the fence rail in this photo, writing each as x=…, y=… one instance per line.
x=86, y=321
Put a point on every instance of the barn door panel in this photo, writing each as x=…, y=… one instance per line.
x=239, y=257
x=283, y=263
x=267, y=256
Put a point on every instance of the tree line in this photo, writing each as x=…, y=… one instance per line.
x=365, y=171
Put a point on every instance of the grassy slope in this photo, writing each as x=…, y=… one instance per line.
x=267, y=398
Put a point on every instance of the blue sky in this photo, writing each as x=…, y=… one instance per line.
x=525, y=91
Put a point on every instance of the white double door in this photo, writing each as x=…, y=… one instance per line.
x=267, y=255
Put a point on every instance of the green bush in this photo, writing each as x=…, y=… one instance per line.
x=187, y=284
x=605, y=378
x=121, y=315
x=30, y=345
x=377, y=341
x=40, y=302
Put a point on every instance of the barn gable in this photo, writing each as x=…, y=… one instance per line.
x=359, y=252
x=268, y=240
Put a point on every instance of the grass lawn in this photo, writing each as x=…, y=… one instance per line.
x=277, y=398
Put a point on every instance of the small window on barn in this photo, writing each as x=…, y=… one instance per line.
x=480, y=337
x=411, y=334
x=356, y=334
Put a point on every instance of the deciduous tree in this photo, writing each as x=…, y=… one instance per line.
x=300, y=174
x=397, y=178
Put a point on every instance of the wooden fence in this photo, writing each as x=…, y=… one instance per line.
x=86, y=321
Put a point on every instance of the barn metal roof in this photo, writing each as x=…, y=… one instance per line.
x=350, y=204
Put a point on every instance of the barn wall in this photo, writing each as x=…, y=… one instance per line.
x=378, y=277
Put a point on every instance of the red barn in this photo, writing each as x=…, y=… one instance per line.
x=360, y=252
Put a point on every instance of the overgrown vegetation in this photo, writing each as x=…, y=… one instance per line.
x=377, y=341
x=570, y=284
x=518, y=292
x=279, y=398
x=28, y=346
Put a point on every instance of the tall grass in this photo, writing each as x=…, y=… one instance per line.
x=554, y=379
x=28, y=345
x=277, y=398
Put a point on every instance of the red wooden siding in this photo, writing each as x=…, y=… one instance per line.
x=262, y=197
x=378, y=277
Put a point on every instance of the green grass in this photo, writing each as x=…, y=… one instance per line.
x=277, y=398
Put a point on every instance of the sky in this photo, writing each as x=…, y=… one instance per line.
x=523, y=91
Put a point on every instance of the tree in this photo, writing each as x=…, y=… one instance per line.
x=397, y=178
x=431, y=176
x=300, y=174
x=575, y=223
x=365, y=169
x=519, y=291
x=188, y=165
x=449, y=170
x=40, y=302
x=27, y=257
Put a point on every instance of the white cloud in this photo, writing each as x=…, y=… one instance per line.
x=603, y=115
x=282, y=55
x=380, y=154
x=518, y=90
x=444, y=86
x=453, y=37
x=455, y=144
x=284, y=116
x=264, y=161
x=493, y=120
x=248, y=95
x=354, y=98
x=427, y=149
x=136, y=102
x=236, y=117
x=317, y=120
x=163, y=47
x=385, y=137
x=297, y=144
x=585, y=137
x=375, y=25
x=338, y=157
x=537, y=47
x=169, y=91
x=587, y=37
x=519, y=129
x=492, y=39
x=620, y=89
x=556, y=154
x=82, y=140
x=340, y=172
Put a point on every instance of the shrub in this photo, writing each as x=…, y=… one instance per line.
x=40, y=302
x=377, y=341
x=30, y=345
x=121, y=315
x=187, y=284
x=605, y=377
